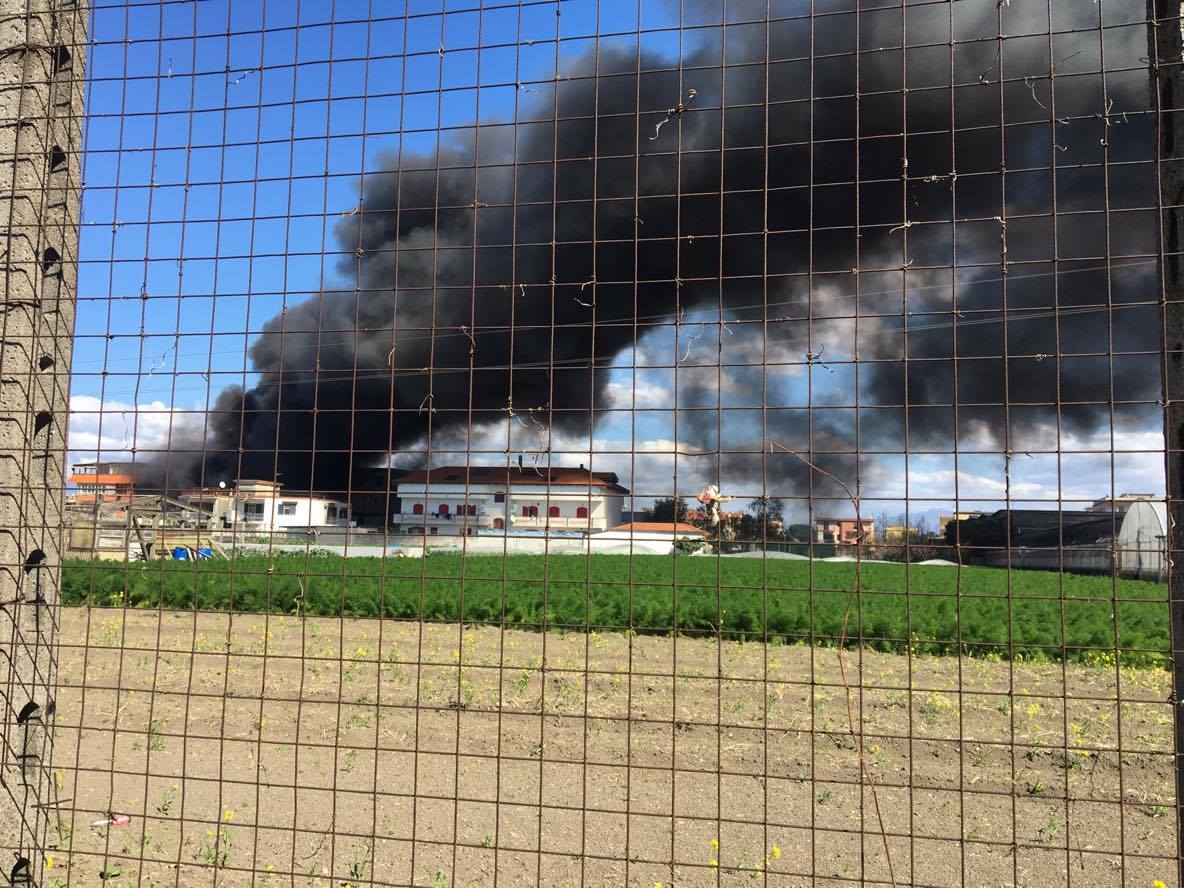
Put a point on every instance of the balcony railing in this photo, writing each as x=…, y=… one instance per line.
x=560, y=523
x=481, y=518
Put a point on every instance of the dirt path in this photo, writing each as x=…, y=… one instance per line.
x=275, y=752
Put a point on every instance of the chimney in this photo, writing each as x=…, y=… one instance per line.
x=582, y=469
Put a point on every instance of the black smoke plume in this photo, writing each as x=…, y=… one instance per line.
x=498, y=277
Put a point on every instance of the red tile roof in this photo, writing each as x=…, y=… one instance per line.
x=511, y=476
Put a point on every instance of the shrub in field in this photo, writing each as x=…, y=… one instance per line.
x=931, y=610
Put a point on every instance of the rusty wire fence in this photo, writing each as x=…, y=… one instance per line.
x=598, y=442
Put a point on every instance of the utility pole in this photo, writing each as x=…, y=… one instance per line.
x=43, y=51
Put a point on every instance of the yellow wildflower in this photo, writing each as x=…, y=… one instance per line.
x=776, y=853
x=228, y=816
x=714, y=862
x=49, y=861
x=715, y=843
x=1158, y=883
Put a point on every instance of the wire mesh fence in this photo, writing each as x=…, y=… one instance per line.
x=645, y=442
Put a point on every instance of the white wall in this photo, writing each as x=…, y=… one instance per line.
x=604, y=510
x=1141, y=539
x=489, y=544
x=310, y=512
x=643, y=542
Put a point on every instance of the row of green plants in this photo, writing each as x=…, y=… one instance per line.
x=932, y=610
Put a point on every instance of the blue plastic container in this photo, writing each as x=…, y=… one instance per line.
x=180, y=554
x=205, y=552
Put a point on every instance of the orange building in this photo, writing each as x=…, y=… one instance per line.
x=844, y=530
x=96, y=481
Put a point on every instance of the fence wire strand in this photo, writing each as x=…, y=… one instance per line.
x=640, y=442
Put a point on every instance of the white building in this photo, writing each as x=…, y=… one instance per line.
x=645, y=537
x=480, y=500
x=263, y=506
x=1142, y=539
x=1119, y=504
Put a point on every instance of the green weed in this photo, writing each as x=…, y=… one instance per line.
x=166, y=801
x=216, y=848
x=156, y=733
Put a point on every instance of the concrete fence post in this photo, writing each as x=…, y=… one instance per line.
x=43, y=50
x=1164, y=53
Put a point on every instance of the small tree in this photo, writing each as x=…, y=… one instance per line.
x=767, y=518
x=798, y=533
x=670, y=510
x=923, y=531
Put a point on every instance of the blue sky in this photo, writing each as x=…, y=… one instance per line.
x=270, y=111
x=266, y=111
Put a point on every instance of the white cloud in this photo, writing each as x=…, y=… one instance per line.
x=1084, y=470
x=114, y=428
x=629, y=394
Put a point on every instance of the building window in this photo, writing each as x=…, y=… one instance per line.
x=286, y=509
x=252, y=511
x=499, y=497
x=553, y=512
x=442, y=509
x=435, y=530
x=582, y=512
x=498, y=524
x=417, y=509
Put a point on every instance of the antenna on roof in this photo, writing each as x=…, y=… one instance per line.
x=519, y=461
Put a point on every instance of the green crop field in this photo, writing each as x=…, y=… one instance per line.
x=928, y=609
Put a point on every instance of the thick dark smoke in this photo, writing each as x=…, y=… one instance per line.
x=553, y=246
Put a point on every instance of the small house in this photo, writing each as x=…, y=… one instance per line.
x=264, y=507
x=645, y=537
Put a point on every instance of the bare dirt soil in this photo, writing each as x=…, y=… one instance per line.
x=277, y=751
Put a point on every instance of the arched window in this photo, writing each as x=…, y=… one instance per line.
x=417, y=509
x=582, y=512
x=526, y=511
x=534, y=511
x=442, y=509
x=553, y=512
x=499, y=524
